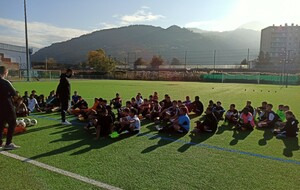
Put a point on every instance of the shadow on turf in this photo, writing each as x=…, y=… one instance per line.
x=239, y=135
x=268, y=135
x=164, y=139
x=291, y=144
x=82, y=139
x=35, y=128
x=195, y=139
x=223, y=128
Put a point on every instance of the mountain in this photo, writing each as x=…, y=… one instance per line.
x=254, y=25
x=145, y=41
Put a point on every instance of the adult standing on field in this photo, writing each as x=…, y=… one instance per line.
x=63, y=92
x=7, y=110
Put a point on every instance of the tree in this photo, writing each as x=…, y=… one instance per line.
x=50, y=63
x=83, y=65
x=156, y=61
x=100, y=62
x=139, y=61
x=263, y=58
x=244, y=62
x=175, y=61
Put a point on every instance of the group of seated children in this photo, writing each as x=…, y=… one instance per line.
x=173, y=114
x=103, y=119
x=27, y=104
x=283, y=121
x=33, y=102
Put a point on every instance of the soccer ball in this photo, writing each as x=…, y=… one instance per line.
x=27, y=121
x=33, y=122
x=21, y=123
x=20, y=119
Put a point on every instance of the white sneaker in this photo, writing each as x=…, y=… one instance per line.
x=66, y=123
x=157, y=127
x=11, y=146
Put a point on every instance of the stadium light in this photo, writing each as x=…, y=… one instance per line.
x=26, y=39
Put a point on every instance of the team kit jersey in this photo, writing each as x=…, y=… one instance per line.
x=31, y=104
x=184, y=122
x=136, y=123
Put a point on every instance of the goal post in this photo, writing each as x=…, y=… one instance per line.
x=35, y=75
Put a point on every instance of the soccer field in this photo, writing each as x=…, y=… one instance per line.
x=150, y=160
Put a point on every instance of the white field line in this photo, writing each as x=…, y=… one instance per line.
x=60, y=171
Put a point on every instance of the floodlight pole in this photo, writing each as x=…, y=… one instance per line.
x=215, y=51
x=26, y=39
x=185, y=54
x=286, y=69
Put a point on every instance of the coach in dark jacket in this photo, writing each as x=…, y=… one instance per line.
x=63, y=92
x=7, y=110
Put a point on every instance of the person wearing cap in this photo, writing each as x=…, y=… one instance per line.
x=63, y=92
x=7, y=110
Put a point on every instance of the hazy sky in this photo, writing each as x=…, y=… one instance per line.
x=51, y=21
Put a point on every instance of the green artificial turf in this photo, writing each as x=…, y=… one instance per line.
x=225, y=160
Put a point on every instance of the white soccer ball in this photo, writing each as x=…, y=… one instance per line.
x=27, y=121
x=22, y=123
x=19, y=119
x=33, y=122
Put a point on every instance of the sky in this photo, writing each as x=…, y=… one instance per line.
x=51, y=21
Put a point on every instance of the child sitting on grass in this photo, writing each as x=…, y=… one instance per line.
x=172, y=111
x=180, y=125
x=104, y=124
x=183, y=122
x=197, y=106
x=79, y=106
x=280, y=112
x=116, y=102
x=130, y=123
x=282, y=123
x=208, y=123
x=232, y=115
x=219, y=111
x=261, y=111
x=291, y=127
x=155, y=111
x=271, y=118
x=246, y=120
x=21, y=108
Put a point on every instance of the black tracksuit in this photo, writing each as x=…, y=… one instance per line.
x=64, y=92
x=7, y=110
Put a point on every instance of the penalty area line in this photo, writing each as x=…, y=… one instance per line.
x=60, y=171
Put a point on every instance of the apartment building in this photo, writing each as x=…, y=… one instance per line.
x=282, y=43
